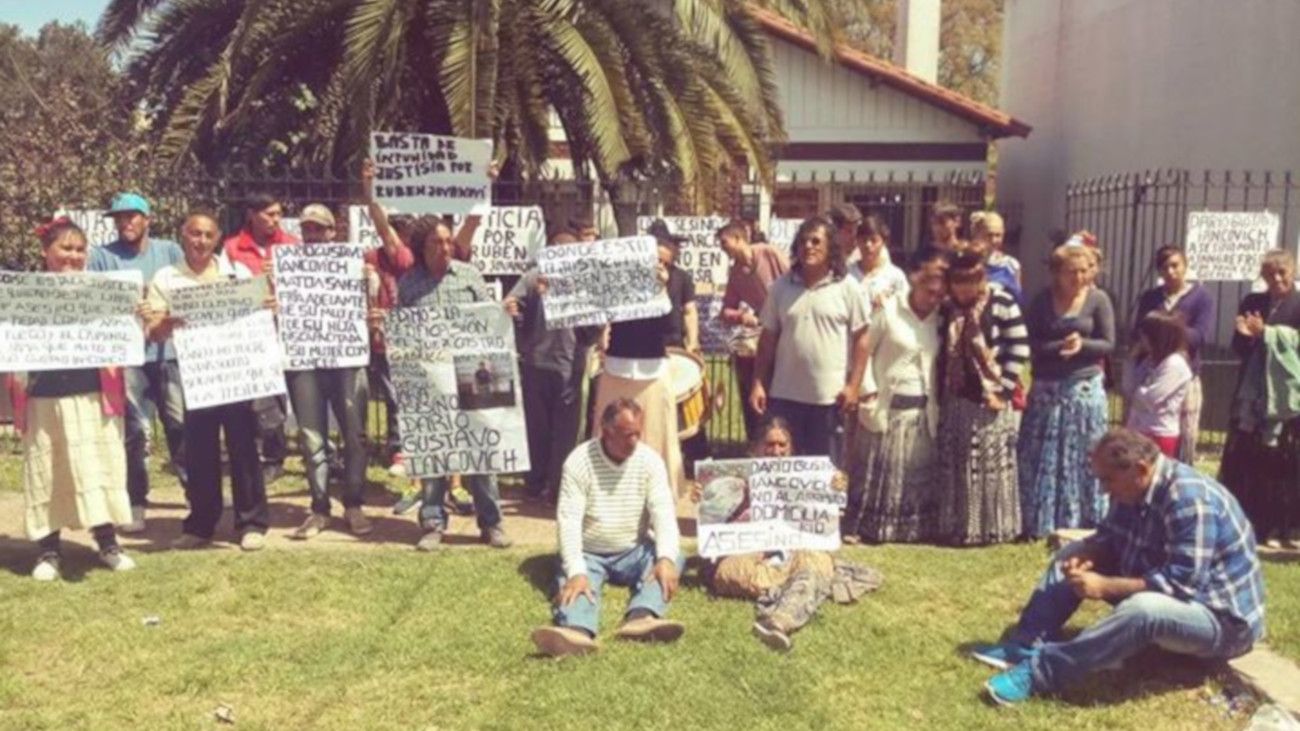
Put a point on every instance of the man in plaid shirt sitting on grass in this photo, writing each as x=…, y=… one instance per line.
x=1176, y=558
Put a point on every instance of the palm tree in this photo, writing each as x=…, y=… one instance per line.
x=672, y=91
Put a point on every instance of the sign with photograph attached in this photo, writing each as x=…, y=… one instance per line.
x=71, y=320
x=772, y=504
x=1228, y=245
x=420, y=173
x=227, y=349
x=321, y=290
x=699, y=255
x=457, y=382
x=597, y=282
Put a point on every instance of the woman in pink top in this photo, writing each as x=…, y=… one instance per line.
x=1160, y=381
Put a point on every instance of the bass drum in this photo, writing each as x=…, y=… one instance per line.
x=690, y=386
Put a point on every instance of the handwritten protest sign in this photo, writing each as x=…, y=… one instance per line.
x=1227, y=245
x=781, y=231
x=227, y=349
x=82, y=320
x=419, y=173
x=99, y=228
x=508, y=239
x=361, y=228
x=292, y=226
x=322, y=296
x=779, y=504
x=602, y=281
x=457, y=384
x=699, y=255
x=714, y=333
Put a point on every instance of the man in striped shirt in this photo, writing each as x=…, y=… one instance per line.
x=1175, y=556
x=617, y=523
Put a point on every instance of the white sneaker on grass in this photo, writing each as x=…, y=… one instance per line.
x=47, y=568
x=117, y=560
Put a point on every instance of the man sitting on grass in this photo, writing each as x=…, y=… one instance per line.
x=617, y=522
x=1175, y=556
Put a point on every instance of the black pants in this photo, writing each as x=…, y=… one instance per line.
x=552, y=405
x=271, y=415
x=1264, y=479
x=381, y=382
x=203, y=430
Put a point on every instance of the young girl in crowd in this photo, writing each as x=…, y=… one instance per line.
x=1160, y=380
x=71, y=421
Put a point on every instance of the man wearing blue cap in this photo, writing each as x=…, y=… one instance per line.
x=158, y=380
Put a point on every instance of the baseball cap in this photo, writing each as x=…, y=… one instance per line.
x=659, y=229
x=318, y=214
x=124, y=202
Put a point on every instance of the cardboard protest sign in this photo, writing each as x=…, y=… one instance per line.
x=597, y=282
x=227, y=349
x=714, y=333
x=700, y=255
x=292, y=226
x=74, y=320
x=322, y=295
x=457, y=382
x=361, y=228
x=99, y=228
x=1228, y=245
x=777, y=504
x=419, y=173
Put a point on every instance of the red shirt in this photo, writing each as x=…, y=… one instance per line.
x=243, y=249
x=390, y=270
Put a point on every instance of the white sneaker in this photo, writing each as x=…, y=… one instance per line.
x=137, y=521
x=117, y=560
x=47, y=569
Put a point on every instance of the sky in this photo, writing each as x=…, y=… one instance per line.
x=30, y=15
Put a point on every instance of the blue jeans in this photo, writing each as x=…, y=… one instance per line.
x=342, y=390
x=160, y=383
x=813, y=426
x=1139, y=621
x=482, y=488
x=630, y=568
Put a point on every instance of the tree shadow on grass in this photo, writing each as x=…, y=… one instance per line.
x=18, y=556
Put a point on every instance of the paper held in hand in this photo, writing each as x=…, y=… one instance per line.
x=602, y=281
x=73, y=320
x=419, y=173
x=322, y=297
x=771, y=504
x=1228, y=245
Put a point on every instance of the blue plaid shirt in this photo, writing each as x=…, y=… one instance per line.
x=1189, y=540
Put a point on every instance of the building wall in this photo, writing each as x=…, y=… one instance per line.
x=1114, y=86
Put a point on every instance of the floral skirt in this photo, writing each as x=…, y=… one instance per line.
x=1062, y=422
x=977, y=471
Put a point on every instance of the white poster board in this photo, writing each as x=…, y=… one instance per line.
x=1228, y=245
x=508, y=240
x=361, y=228
x=778, y=504
x=99, y=228
x=781, y=231
x=72, y=320
x=291, y=226
x=700, y=255
x=457, y=380
x=596, y=282
x=321, y=290
x=419, y=173
x=227, y=349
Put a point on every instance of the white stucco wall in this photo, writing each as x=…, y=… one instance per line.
x=1115, y=86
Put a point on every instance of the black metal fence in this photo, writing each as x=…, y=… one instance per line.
x=1133, y=214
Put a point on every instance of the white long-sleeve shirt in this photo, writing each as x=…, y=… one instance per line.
x=608, y=508
x=1156, y=395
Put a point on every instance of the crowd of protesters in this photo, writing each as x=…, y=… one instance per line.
x=963, y=409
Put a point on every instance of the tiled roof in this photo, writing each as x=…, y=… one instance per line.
x=994, y=121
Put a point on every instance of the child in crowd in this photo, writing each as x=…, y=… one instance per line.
x=1159, y=381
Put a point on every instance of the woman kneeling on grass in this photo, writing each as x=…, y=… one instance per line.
x=789, y=587
x=74, y=461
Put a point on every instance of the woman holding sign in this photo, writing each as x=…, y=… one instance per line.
x=71, y=421
x=1259, y=459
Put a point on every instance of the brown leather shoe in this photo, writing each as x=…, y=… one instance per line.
x=563, y=641
x=650, y=629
